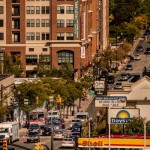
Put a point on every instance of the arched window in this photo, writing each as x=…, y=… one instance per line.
x=65, y=56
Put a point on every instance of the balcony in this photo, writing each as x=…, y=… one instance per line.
x=16, y=11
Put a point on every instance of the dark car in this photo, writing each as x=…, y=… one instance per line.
x=139, y=49
x=46, y=130
x=75, y=136
x=33, y=136
x=34, y=127
x=62, y=122
x=124, y=77
x=110, y=79
x=129, y=67
x=76, y=128
x=147, y=50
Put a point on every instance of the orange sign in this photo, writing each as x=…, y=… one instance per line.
x=114, y=142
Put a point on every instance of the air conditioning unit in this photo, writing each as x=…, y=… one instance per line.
x=90, y=11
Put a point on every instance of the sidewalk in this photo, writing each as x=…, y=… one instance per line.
x=84, y=106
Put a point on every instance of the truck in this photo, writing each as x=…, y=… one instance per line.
x=9, y=131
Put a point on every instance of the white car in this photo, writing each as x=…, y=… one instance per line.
x=136, y=57
x=60, y=134
x=68, y=142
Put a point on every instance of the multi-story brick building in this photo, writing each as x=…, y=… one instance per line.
x=57, y=31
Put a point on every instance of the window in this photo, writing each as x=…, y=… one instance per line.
x=60, y=10
x=69, y=10
x=60, y=23
x=30, y=10
x=45, y=36
x=30, y=22
x=31, y=59
x=69, y=36
x=45, y=9
x=1, y=10
x=65, y=56
x=37, y=22
x=37, y=35
x=44, y=59
x=70, y=23
x=30, y=36
x=45, y=23
x=1, y=23
x=31, y=49
x=1, y=36
x=60, y=36
x=37, y=9
x=44, y=49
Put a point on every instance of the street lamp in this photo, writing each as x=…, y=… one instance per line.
x=90, y=119
x=19, y=108
x=145, y=121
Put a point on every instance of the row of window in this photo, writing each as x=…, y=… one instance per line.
x=44, y=36
x=46, y=23
x=46, y=10
x=64, y=56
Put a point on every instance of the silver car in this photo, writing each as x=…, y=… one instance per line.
x=60, y=134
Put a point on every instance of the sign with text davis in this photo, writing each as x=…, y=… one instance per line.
x=122, y=116
x=110, y=101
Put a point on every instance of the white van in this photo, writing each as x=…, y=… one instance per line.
x=82, y=115
x=54, y=113
x=9, y=131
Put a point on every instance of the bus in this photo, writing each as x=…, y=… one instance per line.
x=38, y=116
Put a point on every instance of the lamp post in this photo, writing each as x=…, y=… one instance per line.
x=145, y=121
x=19, y=108
x=90, y=119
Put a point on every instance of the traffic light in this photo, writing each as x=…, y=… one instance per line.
x=5, y=146
x=37, y=146
x=37, y=100
x=58, y=99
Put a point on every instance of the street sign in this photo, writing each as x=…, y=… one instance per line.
x=110, y=101
x=99, y=85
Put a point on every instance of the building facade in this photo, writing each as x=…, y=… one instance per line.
x=55, y=31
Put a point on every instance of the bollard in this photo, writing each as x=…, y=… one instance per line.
x=5, y=146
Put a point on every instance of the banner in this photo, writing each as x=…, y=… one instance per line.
x=76, y=22
x=82, y=52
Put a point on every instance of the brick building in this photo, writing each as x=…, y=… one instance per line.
x=54, y=30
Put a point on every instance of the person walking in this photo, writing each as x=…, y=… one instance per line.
x=98, y=116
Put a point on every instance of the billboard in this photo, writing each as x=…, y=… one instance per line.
x=121, y=116
x=114, y=143
x=110, y=101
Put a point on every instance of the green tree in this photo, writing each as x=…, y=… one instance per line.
x=12, y=65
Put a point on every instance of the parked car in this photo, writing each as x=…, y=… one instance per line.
x=47, y=130
x=68, y=142
x=111, y=79
x=124, y=77
x=60, y=134
x=33, y=136
x=129, y=67
x=34, y=127
x=139, y=49
x=136, y=57
x=147, y=50
x=118, y=85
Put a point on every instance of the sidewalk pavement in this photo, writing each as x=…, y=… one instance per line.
x=84, y=105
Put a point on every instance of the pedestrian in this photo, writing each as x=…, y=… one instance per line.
x=98, y=116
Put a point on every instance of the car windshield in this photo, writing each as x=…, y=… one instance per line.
x=118, y=84
x=33, y=133
x=69, y=139
x=3, y=130
x=34, y=126
x=81, y=116
x=75, y=121
x=33, y=116
x=58, y=132
x=56, y=123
